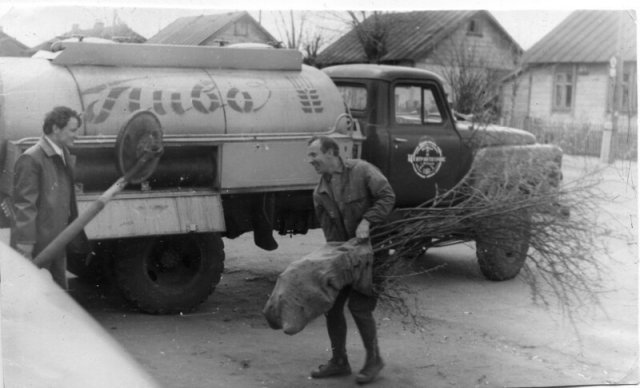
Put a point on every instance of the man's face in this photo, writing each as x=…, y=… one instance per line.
x=321, y=161
x=67, y=135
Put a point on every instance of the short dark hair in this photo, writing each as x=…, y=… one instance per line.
x=59, y=116
x=326, y=144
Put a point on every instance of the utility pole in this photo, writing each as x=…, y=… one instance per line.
x=616, y=68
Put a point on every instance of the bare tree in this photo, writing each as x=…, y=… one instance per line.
x=372, y=31
x=300, y=33
x=292, y=27
x=474, y=85
x=311, y=47
x=513, y=88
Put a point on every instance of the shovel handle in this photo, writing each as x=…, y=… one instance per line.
x=60, y=242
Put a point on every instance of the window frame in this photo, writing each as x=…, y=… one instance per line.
x=562, y=106
x=423, y=120
x=474, y=27
x=350, y=86
x=630, y=89
x=241, y=28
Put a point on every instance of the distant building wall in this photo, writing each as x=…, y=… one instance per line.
x=485, y=49
x=591, y=94
x=540, y=93
x=242, y=31
x=487, y=46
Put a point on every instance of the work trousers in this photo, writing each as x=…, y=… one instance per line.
x=361, y=307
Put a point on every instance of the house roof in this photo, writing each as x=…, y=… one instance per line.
x=586, y=36
x=194, y=30
x=119, y=32
x=411, y=36
x=11, y=47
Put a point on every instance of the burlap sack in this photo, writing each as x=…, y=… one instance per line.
x=309, y=286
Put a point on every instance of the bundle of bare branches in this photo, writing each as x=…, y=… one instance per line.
x=516, y=213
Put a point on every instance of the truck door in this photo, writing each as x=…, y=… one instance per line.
x=427, y=155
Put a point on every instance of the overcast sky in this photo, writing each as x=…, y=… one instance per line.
x=35, y=22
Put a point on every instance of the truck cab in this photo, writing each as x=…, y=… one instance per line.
x=410, y=131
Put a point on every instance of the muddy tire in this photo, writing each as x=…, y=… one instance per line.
x=169, y=274
x=501, y=253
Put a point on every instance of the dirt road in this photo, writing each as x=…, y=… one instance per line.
x=475, y=333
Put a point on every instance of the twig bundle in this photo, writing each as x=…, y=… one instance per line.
x=553, y=219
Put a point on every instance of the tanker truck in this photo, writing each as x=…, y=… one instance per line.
x=235, y=125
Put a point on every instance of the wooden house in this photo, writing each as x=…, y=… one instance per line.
x=214, y=30
x=567, y=78
x=434, y=40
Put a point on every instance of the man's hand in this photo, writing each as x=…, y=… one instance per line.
x=362, y=231
x=25, y=250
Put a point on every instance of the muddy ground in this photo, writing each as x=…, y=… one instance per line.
x=473, y=333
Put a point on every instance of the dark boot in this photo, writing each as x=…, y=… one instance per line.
x=373, y=364
x=334, y=368
x=371, y=369
x=337, y=329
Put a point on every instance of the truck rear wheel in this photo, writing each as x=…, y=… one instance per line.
x=502, y=253
x=169, y=274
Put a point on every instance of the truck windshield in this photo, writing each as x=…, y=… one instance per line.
x=354, y=96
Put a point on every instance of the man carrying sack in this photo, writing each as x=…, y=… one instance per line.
x=352, y=195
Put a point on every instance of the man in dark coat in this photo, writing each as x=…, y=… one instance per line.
x=43, y=190
x=352, y=195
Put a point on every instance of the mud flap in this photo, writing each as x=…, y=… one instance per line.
x=261, y=221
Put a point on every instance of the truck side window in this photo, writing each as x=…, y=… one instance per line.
x=416, y=105
x=431, y=112
x=354, y=96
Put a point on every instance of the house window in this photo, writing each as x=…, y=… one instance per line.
x=473, y=28
x=629, y=91
x=629, y=95
x=241, y=28
x=564, y=85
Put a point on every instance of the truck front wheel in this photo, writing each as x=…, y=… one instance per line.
x=501, y=254
x=169, y=274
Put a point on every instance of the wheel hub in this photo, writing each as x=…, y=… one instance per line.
x=169, y=260
x=173, y=266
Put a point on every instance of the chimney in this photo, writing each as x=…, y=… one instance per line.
x=75, y=27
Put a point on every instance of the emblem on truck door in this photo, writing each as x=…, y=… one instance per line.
x=426, y=159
